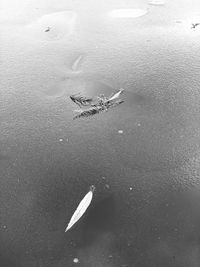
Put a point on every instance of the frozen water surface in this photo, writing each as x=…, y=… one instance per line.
x=52, y=49
x=59, y=24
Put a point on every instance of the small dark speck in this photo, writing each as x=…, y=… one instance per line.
x=48, y=29
x=92, y=188
x=194, y=25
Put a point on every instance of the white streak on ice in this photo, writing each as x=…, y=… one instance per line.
x=127, y=13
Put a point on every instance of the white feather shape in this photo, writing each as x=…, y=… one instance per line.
x=81, y=209
x=116, y=95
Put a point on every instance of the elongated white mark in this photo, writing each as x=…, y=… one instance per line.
x=117, y=94
x=157, y=2
x=127, y=13
x=76, y=64
x=82, y=207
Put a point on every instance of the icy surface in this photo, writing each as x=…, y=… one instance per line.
x=146, y=210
